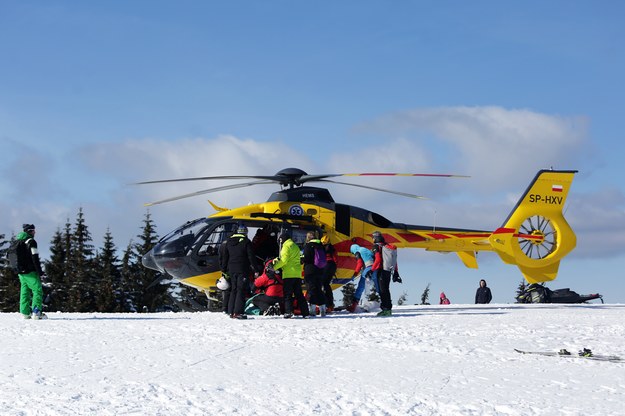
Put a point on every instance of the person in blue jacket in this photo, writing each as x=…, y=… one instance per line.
x=365, y=259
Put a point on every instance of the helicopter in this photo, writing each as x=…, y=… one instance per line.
x=535, y=236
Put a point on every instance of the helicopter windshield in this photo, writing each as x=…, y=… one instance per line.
x=181, y=241
x=190, y=227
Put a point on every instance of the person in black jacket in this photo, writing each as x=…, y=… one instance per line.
x=328, y=272
x=239, y=261
x=483, y=295
x=313, y=275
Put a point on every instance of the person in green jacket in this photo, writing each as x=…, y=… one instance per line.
x=29, y=272
x=289, y=262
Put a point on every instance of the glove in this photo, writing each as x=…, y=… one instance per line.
x=396, y=278
x=225, y=276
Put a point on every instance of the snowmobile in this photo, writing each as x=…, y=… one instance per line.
x=537, y=293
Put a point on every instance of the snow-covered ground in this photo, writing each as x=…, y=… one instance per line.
x=430, y=360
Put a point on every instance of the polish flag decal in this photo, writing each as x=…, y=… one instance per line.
x=556, y=188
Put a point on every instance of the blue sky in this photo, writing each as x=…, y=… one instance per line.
x=96, y=95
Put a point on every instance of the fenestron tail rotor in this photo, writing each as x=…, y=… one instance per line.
x=537, y=237
x=289, y=177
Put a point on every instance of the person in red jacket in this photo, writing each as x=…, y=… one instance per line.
x=270, y=285
x=384, y=272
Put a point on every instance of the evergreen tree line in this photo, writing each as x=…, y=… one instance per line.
x=80, y=278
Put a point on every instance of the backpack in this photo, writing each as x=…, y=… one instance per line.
x=389, y=257
x=12, y=254
x=320, y=257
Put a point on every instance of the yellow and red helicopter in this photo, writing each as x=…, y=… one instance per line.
x=535, y=236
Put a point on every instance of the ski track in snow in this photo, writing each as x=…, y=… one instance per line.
x=425, y=360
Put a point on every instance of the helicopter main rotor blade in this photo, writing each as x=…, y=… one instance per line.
x=207, y=178
x=427, y=175
x=307, y=178
x=208, y=191
x=376, y=189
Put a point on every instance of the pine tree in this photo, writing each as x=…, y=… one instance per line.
x=425, y=295
x=107, y=276
x=9, y=283
x=56, y=279
x=348, y=291
x=153, y=294
x=130, y=287
x=402, y=299
x=520, y=291
x=373, y=295
x=144, y=289
x=80, y=268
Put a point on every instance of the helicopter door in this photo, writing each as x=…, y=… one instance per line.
x=343, y=219
x=209, y=248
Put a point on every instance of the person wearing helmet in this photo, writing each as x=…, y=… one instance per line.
x=289, y=263
x=384, y=271
x=29, y=272
x=270, y=291
x=364, y=262
x=239, y=261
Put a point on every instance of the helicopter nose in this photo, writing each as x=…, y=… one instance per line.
x=148, y=261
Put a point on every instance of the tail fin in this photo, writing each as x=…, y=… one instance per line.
x=535, y=236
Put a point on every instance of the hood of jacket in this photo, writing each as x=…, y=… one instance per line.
x=23, y=235
x=365, y=254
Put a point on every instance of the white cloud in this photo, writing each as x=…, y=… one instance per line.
x=499, y=148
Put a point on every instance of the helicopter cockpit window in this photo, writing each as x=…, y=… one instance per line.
x=210, y=246
x=299, y=236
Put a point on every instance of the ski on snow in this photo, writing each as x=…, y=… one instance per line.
x=583, y=354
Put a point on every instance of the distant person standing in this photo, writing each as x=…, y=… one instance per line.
x=483, y=295
x=444, y=300
x=29, y=272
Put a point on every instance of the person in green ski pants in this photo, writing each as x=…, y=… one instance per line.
x=29, y=272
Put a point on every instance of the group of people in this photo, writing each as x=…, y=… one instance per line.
x=279, y=281
x=380, y=269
